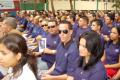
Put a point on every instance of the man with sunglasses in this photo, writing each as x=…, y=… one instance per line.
x=47, y=58
x=66, y=56
x=52, y=43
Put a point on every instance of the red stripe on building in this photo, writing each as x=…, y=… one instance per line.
x=16, y=4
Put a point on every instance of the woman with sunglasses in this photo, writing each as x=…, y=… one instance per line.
x=90, y=66
x=13, y=55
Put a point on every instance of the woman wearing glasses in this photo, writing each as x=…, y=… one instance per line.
x=13, y=55
x=90, y=66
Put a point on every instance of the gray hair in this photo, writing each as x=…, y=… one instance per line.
x=10, y=21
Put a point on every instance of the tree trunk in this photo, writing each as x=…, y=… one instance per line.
x=71, y=6
x=52, y=7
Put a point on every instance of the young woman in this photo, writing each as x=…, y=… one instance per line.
x=90, y=66
x=13, y=55
x=96, y=26
x=111, y=56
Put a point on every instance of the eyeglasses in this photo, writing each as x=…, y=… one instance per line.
x=51, y=27
x=44, y=25
x=40, y=21
x=63, y=31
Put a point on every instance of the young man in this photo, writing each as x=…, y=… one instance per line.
x=67, y=54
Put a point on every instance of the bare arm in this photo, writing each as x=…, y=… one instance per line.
x=51, y=69
x=49, y=51
x=103, y=57
x=70, y=78
x=117, y=65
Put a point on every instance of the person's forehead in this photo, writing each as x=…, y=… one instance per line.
x=63, y=26
x=51, y=23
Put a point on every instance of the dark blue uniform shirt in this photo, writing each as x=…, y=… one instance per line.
x=112, y=52
x=52, y=43
x=96, y=72
x=80, y=31
x=65, y=58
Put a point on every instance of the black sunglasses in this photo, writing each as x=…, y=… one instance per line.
x=40, y=21
x=51, y=27
x=44, y=25
x=63, y=31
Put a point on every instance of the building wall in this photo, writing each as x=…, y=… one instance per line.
x=81, y=5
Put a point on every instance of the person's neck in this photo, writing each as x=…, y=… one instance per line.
x=72, y=22
x=85, y=26
x=98, y=32
x=87, y=59
x=115, y=41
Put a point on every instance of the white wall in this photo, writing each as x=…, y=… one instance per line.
x=81, y=5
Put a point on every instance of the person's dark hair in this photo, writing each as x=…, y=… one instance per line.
x=10, y=21
x=111, y=16
x=68, y=23
x=98, y=22
x=72, y=16
x=85, y=18
x=93, y=14
x=53, y=20
x=95, y=48
x=17, y=44
x=118, y=30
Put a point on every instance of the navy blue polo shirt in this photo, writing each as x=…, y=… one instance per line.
x=28, y=25
x=96, y=72
x=52, y=43
x=18, y=18
x=30, y=29
x=80, y=31
x=23, y=21
x=1, y=76
x=102, y=40
x=65, y=58
x=117, y=24
x=112, y=52
x=105, y=30
x=75, y=27
x=37, y=30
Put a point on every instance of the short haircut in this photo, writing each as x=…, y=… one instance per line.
x=72, y=16
x=111, y=16
x=10, y=21
x=85, y=18
x=68, y=23
x=53, y=20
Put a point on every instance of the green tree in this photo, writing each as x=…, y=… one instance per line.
x=116, y=4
